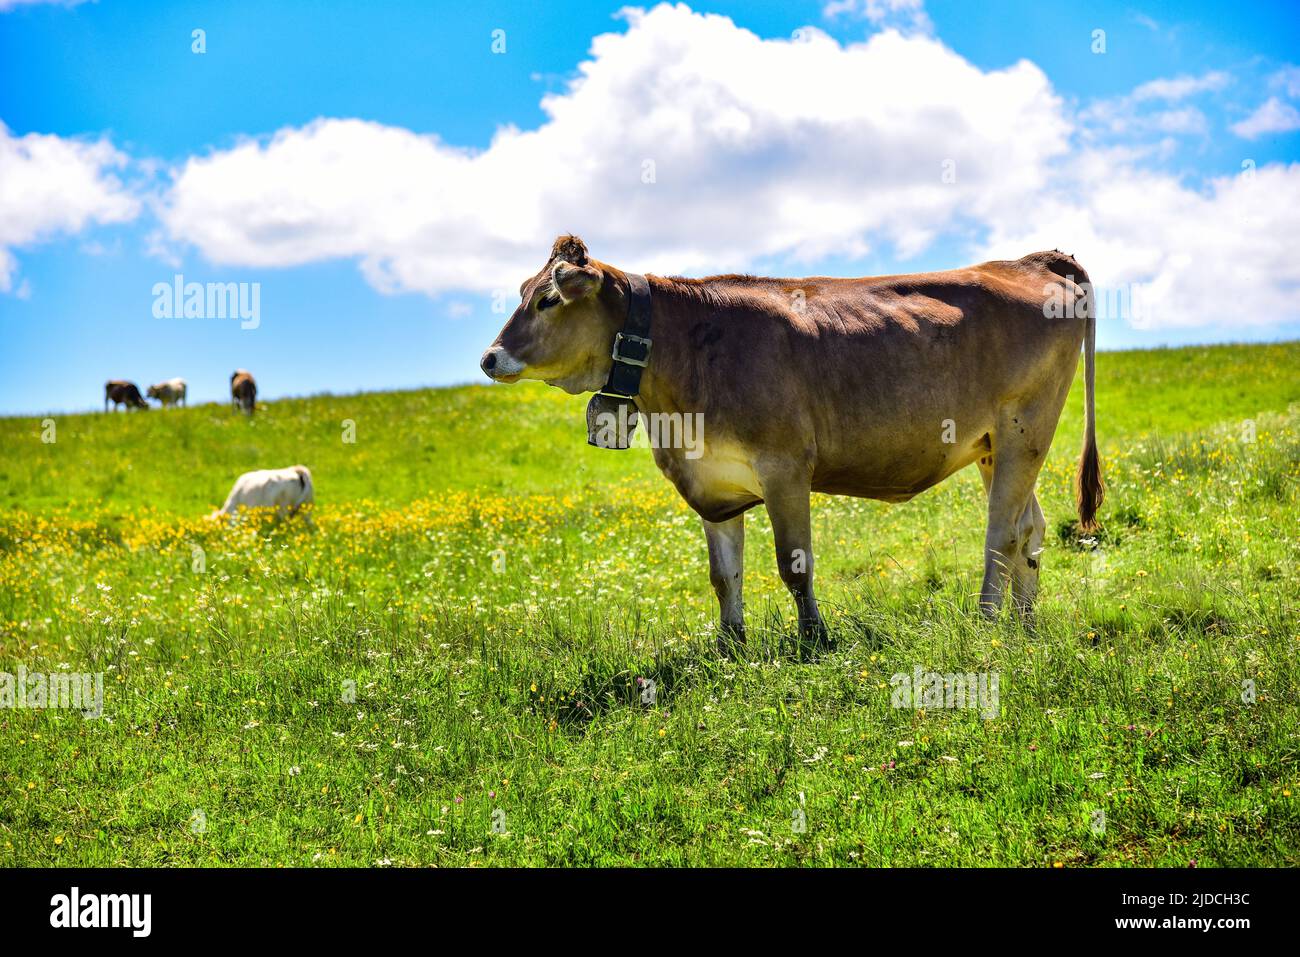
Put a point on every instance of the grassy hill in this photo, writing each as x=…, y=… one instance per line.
x=462, y=647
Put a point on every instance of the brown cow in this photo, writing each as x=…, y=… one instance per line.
x=876, y=387
x=243, y=390
x=121, y=392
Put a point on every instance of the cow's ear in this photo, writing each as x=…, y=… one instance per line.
x=574, y=282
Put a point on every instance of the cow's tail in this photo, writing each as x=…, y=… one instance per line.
x=304, y=481
x=1089, y=490
x=308, y=500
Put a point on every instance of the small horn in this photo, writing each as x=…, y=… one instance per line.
x=569, y=249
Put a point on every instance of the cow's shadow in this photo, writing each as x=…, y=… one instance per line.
x=646, y=684
x=654, y=681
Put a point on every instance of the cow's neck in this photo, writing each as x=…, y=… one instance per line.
x=663, y=383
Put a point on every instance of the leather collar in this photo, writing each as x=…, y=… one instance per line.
x=631, y=351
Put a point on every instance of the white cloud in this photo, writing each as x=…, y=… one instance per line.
x=1273, y=116
x=1184, y=121
x=760, y=150
x=1118, y=118
x=1287, y=80
x=1139, y=112
x=1180, y=87
x=1221, y=255
x=50, y=185
x=1146, y=21
x=906, y=15
x=7, y=5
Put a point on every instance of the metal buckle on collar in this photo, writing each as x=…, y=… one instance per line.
x=637, y=341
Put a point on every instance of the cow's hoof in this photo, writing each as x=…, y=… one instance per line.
x=1028, y=620
x=731, y=639
x=814, y=641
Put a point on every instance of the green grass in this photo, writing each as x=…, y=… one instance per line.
x=494, y=588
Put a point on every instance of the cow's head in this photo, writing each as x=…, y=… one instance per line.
x=563, y=329
x=152, y=392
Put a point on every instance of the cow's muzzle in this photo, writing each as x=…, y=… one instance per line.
x=500, y=365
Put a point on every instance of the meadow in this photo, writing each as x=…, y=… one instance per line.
x=453, y=668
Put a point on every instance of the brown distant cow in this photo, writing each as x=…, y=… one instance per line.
x=243, y=390
x=876, y=387
x=121, y=392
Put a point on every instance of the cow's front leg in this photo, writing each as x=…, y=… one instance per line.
x=788, y=506
x=727, y=572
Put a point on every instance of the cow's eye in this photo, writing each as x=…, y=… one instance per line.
x=549, y=301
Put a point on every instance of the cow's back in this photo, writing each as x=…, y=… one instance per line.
x=283, y=489
x=908, y=390
x=882, y=386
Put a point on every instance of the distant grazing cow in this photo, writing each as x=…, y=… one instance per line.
x=877, y=387
x=121, y=392
x=243, y=390
x=171, y=392
x=286, y=490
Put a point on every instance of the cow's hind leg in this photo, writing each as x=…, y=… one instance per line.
x=1024, y=580
x=727, y=573
x=788, y=505
x=1030, y=529
x=1013, y=520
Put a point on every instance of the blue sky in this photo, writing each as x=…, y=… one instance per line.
x=1169, y=161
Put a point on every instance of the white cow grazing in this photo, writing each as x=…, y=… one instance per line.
x=286, y=490
x=171, y=392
